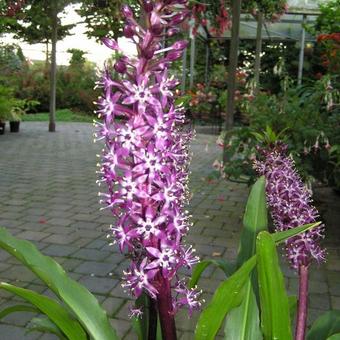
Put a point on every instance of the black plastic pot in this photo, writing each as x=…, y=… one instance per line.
x=14, y=126
x=2, y=128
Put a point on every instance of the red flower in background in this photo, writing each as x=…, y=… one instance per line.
x=330, y=43
x=13, y=7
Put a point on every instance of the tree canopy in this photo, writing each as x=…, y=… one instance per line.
x=103, y=18
x=33, y=23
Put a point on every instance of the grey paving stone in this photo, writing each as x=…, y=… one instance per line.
x=58, y=229
x=49, y=337
x=97, y=244
x=17, y=319
x=33, y=235
x=318, y=287
x=118, y=291
x=319, y=301
x=9, y=332
x=17, y=273
x=122, y=327
x=59, y=221
x=91, y=254
x=112, y=305
x=334, y=289
x=95, y=268
x=59, y=250
x=99, y=285
x=60, y=238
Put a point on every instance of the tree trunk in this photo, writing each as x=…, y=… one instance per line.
x=47, y=58
x=53, y=79
x=257, y=67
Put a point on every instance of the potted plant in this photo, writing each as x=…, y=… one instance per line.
x=18, y=110
x=15, y=118
x=6, y=103
x=2, y=123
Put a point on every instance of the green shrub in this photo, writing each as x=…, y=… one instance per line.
x=309, y=119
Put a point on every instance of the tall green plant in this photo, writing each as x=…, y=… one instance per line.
x=253, y=299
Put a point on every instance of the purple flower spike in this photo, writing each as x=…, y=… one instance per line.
x=145, y=160
x=290, y=204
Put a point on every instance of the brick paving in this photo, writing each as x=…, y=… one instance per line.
x=49, y=196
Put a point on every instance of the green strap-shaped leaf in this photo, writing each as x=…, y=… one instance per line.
x=18, y=308
x=55, y=312
x=255, y=220
x=80, y=301
x=283, y=236
x=325, y=326
x=44, y=325
x=275, y=314
x=227, y=268
x=243, y=322
x=227, y=296
x=138, y=328
x=334, y=337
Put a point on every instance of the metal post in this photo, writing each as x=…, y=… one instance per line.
x=302, y=50
x=192, y=60
x=233, y=61
x=207, y=55
x=184, y=71
x=257, y=67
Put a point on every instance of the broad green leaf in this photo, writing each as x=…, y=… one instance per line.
x=334, y=337
x=283, y=236
x=55, y=312
x=325, y=326
x=18, y=308
x=228, y=295
x=243, y=322
x=201, y=266
x=275, y=316
x=44, y=325
x=79, y=300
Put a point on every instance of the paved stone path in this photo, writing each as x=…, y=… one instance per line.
x=49, y=196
